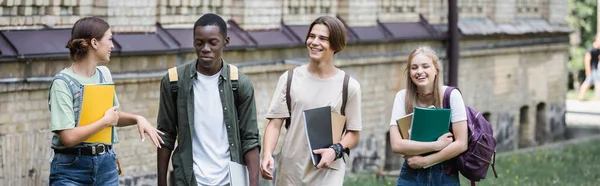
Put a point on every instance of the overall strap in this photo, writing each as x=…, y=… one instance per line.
x=76, y=92
x=105, y=74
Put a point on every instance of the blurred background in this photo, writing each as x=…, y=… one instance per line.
x=519, y=62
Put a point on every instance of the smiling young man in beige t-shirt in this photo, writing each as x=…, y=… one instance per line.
x=314, y=85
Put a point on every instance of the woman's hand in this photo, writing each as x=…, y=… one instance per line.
x=111, y=116
x=145, y=127
x=417, y=162
x=444, y=141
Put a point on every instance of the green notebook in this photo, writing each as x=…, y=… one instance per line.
x=428, y=124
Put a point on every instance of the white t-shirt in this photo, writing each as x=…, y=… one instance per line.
x=210, y=146
x=457, y=105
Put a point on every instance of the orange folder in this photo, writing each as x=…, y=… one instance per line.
x=97, y=99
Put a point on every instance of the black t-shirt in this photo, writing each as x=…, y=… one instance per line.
x=594, y=52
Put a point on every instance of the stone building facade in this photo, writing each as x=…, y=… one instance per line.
x=512, y=68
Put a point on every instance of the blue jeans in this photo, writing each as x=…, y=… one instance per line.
x=98, y=170
x=435, y=175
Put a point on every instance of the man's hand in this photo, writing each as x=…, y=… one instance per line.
x=327, y=157
x=267, y=166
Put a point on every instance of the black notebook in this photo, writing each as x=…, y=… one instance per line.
x=317, y=123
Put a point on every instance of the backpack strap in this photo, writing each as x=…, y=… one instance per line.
x=173, y=78
x=494, y=163
x=288, y=97
x=345, y=95
x=233, y=77
x=343, y=110
x=446, y=99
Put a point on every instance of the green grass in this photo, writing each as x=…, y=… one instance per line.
x=573, y=94
x=369, y=179
x=577, y=164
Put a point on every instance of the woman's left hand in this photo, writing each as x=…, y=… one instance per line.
x=417, y=162
x=145, y=127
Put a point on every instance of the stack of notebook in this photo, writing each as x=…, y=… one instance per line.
x=323, y=128
x=425, y=125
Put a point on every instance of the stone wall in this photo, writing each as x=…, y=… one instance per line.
x=496, y=81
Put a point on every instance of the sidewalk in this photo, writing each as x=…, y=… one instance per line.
x=583, y=113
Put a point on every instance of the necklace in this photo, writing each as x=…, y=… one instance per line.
x=424, y=94
x=72, y=68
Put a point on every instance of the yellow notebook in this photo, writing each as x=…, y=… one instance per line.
x=97, y=99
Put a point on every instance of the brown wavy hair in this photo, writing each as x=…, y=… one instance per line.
x=337, y=32
x=82, y=33
x=411, y=88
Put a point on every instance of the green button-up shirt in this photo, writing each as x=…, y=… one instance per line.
x=176, y=118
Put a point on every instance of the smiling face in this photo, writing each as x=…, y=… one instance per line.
x=318, y=44
x=104, y=46
x=209, y=44
x=422, y=71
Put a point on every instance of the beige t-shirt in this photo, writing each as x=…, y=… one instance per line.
x=307, y=92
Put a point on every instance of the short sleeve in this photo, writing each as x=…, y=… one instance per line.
x=278, y=107
x=398, y=110
x=61, y=106
x=459, y=112
x=353, y=106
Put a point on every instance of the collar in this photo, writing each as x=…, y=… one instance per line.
x=193, y=73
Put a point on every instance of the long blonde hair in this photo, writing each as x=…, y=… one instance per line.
x=411, y=88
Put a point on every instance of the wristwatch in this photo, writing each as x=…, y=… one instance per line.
x=338, y=148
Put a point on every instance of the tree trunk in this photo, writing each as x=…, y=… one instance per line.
x=576, y=83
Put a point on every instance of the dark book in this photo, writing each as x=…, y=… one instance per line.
x=317, y=123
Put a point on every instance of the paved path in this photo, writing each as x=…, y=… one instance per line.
x=583, y=113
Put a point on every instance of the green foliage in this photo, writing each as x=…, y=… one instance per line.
x=576, y=62
x=582, y=18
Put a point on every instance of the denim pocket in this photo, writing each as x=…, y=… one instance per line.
x=64, y=159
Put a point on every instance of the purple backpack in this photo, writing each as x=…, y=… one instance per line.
x=481, y=153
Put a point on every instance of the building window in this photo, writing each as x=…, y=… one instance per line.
x=541, y=131
x=295, y=7
x=528, y=8
x=524, y=127
x=473, y=8
x=399, y=6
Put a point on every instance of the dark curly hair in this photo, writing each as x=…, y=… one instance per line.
x=212, y=19
x=82, y=33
